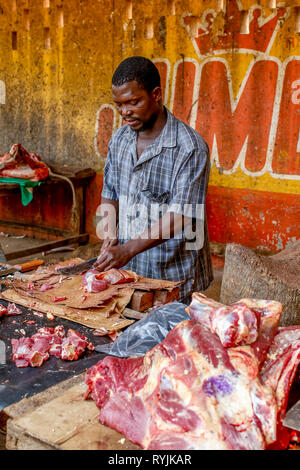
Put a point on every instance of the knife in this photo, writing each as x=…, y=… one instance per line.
x=21, y=267
x=84, y=266
x=292, y=418
x=78, y=268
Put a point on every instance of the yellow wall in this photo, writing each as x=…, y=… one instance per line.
x=57, y=59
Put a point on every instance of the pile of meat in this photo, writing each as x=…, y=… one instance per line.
x=35, y=350
x=18, y=163
x=218, y=381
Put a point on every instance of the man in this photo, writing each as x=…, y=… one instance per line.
x=155, y=183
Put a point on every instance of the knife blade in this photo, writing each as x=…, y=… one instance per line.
x=292, y=418
x=28, y=266
x=78, y=268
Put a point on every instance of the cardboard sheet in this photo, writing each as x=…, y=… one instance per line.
x=76, y=297
x=93, y=318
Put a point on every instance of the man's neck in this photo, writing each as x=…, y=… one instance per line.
x=150, y=133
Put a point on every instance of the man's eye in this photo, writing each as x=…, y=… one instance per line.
x=134, y=102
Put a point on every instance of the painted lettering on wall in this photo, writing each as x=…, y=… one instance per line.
x=254, y=128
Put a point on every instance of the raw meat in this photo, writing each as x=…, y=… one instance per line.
x=48, y=342
x=91, y=283
x=238, y=323
x=58, y=299
x=116, y=276
x=3, y=310
x=191, y=392
x=12, y=309
x=44, y=287
x=18, y=163
x=73, y=346
x=30, y=351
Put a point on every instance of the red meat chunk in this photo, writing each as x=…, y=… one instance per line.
x=73, y=346
x=12, y=309
x=116, y=276
x=3, y=310
x=91, y=283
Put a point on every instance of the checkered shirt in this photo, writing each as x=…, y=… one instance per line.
x=171, y=175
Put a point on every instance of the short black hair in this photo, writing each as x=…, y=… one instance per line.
x=137, y=68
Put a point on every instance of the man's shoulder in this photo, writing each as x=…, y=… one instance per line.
x=189, y=137
x=120, y=134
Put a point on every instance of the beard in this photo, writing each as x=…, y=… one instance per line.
x=148, y=124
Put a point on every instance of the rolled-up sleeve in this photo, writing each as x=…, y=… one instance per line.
x=190, y=185
x=109, y=179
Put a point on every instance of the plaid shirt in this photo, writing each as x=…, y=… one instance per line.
x=171, y=175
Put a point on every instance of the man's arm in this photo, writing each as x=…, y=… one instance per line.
x=106, y=229
x=187, y=204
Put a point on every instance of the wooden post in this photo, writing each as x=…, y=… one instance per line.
x=277, y=277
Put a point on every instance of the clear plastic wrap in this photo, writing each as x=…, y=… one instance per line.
x=138, y=338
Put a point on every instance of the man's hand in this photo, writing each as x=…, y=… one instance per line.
x=107, y=243
x=113, y=256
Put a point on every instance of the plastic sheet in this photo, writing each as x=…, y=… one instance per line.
x=138, y=338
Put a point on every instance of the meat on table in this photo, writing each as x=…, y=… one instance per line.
x=210, y=384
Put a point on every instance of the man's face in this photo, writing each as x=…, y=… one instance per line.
x=136, y=106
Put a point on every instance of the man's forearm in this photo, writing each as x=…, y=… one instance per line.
x=108, y=212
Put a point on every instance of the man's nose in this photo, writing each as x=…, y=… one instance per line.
x=126, y=111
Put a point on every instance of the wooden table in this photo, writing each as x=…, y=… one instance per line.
x=57, y=208
x=60, y=419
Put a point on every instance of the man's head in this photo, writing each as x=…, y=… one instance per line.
x=136, y=90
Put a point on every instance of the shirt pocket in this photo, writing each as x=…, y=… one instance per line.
x=160, y=198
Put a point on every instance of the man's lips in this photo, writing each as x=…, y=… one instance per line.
x=132, y=121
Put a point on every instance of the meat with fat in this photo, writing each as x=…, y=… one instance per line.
x=18, y=163
x=91, y=283
x=192, y=392
x=73, y=346
x=116, y=276
x=12, y=309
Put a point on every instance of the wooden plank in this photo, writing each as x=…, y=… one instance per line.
x=65, y=422
x=165, y=296
x=141, y=300
x=27, y=405
x=84, y=238
x=129, y=313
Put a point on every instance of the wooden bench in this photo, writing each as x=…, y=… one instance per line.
x=57, y=208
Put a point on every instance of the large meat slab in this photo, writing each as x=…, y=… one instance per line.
x=218, y=381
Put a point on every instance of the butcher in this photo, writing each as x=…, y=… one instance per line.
x=153, y=203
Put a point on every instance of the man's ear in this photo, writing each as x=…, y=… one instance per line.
x=156, y=93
